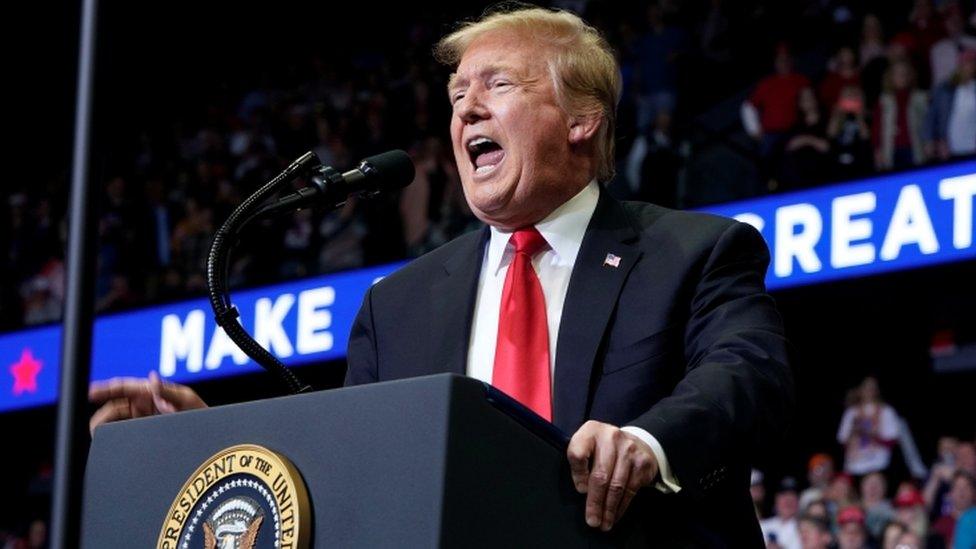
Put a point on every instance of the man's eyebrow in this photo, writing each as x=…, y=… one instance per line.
x=456, y=81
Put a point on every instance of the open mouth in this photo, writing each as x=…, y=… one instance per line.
x=485, y=154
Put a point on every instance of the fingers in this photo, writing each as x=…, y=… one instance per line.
x=642, y=472
x=172, y=397
x=579, y=451
x=113, y=410
x=164, y=397
x=156, y=389
x=162, y=405
x=117, y=387
x=604, y=460
x=120, y=408
x=610, y=466
x=619, y=482
x=127, y=397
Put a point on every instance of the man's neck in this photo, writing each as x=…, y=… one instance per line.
x=563, y=228
x=542, y=216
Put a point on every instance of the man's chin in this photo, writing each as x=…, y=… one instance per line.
x=505, y=220
x=495, y=202
x=494, y=214
x=490, y=197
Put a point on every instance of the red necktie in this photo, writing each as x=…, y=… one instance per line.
x=522, y=351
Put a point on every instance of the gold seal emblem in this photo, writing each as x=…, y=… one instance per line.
x=242, y=497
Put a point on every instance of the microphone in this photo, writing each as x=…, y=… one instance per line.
x=387, y=171
x=383, y=172
x=380, y=173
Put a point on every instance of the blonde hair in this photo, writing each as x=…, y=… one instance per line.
x=582, y=64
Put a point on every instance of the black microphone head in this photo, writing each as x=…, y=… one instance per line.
x=394, y=168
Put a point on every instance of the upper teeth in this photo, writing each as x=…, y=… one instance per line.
x=478, y=141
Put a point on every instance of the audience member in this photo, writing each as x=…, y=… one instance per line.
x=820, y=471
x=849, y=135
x=843, y=72
x=889, y=536
x=874, y=501
x=851, y=531
x=910, y=511
x=899, y=120
x=782, y=527
x=925, y=29
x=872, y=45
x=962, y=498
x=909, y=540
x=867, y=431
x=954, y=456
x=874, y=55
x=840, y=493
x=952, y=116
x=775, y=102
x=807, y=148
x=653, y=164
x=945, y=53
x=814, y=532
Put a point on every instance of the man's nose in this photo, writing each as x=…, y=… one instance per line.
x=470, y=108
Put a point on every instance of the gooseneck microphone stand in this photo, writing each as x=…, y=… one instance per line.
x=218, y=267
x=383, y=172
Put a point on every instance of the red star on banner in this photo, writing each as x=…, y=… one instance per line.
x=25, y=373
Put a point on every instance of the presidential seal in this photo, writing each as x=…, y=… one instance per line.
x=243, y=497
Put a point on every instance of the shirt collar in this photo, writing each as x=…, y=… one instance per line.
x=563, y=229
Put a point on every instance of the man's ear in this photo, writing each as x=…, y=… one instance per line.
x=583, y=128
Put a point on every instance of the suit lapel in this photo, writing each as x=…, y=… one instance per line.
x=590, y=300
x=452, y=300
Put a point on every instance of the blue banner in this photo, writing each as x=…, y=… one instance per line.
x=299, y=322
x=887, y=223
x=883, y=224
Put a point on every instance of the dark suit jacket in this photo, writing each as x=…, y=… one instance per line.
x=681, y=340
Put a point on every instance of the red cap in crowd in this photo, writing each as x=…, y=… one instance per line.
x=908, y=497
x=819, y=460
x=851, y=513
x=844, y=477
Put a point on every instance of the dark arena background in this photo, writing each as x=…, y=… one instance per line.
x=775, y=112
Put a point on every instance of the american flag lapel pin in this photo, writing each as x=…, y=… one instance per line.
x=612, y=261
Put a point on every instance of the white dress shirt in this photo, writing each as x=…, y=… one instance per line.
x=563, y=230
x=786, y=532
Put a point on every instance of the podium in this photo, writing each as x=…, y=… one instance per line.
x=437, y=461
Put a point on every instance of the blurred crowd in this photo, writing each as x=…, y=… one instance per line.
x=856, y=88
x=883, y=102
x=872, y=500
x=28, y=527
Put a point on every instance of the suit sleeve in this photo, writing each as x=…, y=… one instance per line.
x=361, y=357
x=736, y=395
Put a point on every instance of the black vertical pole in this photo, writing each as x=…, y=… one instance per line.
x=76, y=340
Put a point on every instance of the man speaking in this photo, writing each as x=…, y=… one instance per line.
x=644, y=331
